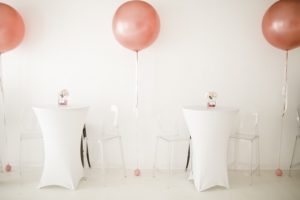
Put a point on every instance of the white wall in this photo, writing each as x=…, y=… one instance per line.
x=203, y=45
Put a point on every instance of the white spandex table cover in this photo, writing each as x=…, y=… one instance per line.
x=62, y=128
x=210, y=129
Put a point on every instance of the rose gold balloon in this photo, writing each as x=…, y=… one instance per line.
x=136, y=25
x=281, y=24
x=11, y=28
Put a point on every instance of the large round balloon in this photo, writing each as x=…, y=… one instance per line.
x=136, y=25
x=12, y=28
x=281, y=24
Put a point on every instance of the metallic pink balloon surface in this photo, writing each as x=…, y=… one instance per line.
x=12, y=28
x=136, y=25
x=281, y=24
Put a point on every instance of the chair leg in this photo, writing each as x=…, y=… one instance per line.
x=192, y=154
x=258, y=156
x=102, y=156
x=251, y=162
x=235, y=153
x=171, y=158
x=20, y=161
x=155, y=157
x=293, y=155
x=122, y=156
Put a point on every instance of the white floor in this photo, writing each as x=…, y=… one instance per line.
x=114, y=186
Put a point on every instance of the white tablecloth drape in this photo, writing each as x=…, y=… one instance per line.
x=62, y=128
x=210, y=129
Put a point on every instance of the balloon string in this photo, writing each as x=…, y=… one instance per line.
x=137, y=84
x=279, y=154
x=1, y=81
x=3, y=103
x=137, y=107
x=285, y=103
x=285, y=85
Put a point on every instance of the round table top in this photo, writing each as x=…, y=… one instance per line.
x=60, y=107
x=205, y=108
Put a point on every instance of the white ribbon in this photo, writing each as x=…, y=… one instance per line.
x=136, y=85
x=3, y=105
x=136, y=108
x=1, y=81
x=2, y=94
x=285, y=103
x=285, y=86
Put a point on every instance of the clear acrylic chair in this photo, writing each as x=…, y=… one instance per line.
x=293, y=164
x=248, y=132
x=171, y=136
x=112, y=134
x=29, y=130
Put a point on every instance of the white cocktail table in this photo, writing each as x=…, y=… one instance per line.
x=209, y=129
x=61, y=128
